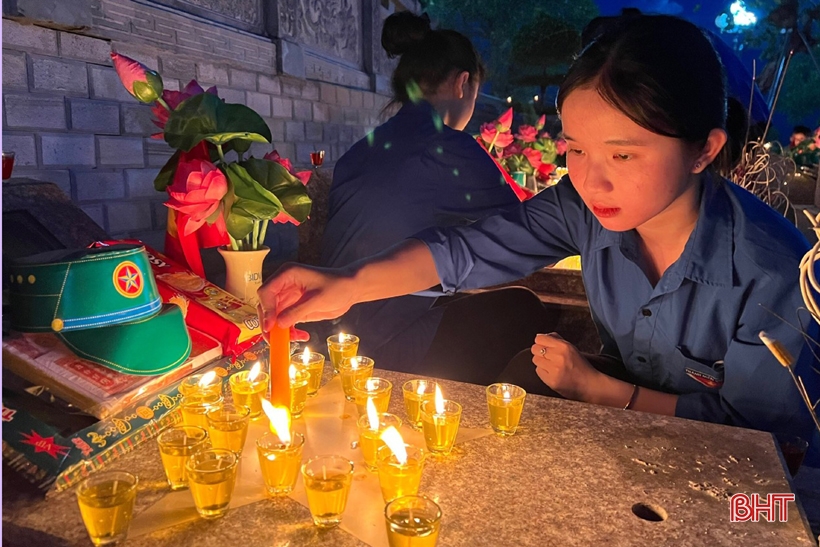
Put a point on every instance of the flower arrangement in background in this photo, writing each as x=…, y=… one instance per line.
x=214, y=200
x=530, y=150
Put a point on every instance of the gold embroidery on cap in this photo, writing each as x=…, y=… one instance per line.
x=20, y=279
x=31, y=279
x=57, y=325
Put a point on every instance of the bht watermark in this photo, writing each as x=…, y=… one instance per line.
x=745, y=508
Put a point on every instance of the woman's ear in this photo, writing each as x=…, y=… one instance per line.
x=461, y=85
x=714, y=144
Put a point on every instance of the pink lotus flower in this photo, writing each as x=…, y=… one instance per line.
x=527, y=133
x=541, y=121
x=303, y=176
x=139, y=80
x=544, y=170
x=533, y=156
x=197, y=191
x=173, y=100
x=512, y=150
x=495, y=138
x=560, y=147
x=546, y=135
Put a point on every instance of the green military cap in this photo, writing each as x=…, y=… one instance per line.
x=103, y=303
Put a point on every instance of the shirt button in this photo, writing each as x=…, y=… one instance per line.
x=646, y=312
x=642, y=359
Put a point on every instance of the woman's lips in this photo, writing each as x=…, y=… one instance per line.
x=605, y=212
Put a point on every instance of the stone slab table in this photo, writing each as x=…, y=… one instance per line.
x=573, y=475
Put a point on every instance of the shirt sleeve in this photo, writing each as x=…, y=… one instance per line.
x=510, y=245
x=758, y=392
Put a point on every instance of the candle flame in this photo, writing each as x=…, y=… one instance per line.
x=393, y=439
x=342, y=337
x=354, y=362
x=439, y=401
x=306, y=356
x=207, y=379
x=372, y=415
x=372, y=384
x=506, y=393
x=255, y=370
x=292, y=373
x=421, y=388
x=279, y=417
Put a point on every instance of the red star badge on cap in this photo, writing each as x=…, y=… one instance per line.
x=128, y=280
x=45, y=444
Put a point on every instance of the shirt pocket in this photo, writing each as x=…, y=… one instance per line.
x=691, y=374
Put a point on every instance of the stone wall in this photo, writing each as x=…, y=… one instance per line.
x=316, y=75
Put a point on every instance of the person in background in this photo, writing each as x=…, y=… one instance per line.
x=682, y=268
x=417, y=170
x=799, y=134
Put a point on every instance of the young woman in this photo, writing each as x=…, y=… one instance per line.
x=417, y=170
x=682, y=269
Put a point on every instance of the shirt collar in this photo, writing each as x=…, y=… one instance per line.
x=707, y=257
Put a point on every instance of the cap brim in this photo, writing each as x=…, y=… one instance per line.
x=150, y=346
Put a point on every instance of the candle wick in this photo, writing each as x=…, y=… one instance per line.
x=324, y=473
x=410, y=510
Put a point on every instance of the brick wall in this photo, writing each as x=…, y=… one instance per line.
x=69, y=120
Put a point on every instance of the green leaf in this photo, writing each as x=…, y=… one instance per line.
x=289, y=190
x=239, y=226
x=205, y=116
x=255, y=209
x=166, y=175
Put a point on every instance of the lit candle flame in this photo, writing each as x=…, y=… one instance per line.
x=392, y=438
x=306, y=357
x=292, y=373
x=342, y=337
x=421, y=388
x=255, y=370
x=439, y=401
x=506, y=394
x=372, y=384
x=354, y=362
x=207, y=379
x=279, y=417
x=372, y=415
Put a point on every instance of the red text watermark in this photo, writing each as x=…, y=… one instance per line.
x=745, y=508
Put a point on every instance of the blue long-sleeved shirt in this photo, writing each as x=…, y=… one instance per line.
x=695, y=333
x=411, y=173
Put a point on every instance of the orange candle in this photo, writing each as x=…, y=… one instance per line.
x=279, y=342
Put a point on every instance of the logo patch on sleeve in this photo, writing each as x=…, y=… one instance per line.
x=707, y=380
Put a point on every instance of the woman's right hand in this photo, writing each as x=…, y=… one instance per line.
x=299, y=294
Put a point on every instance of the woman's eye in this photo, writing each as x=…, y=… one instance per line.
x=575, y=151
x=622, y=157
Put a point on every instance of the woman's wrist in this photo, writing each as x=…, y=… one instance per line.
x=608, y=391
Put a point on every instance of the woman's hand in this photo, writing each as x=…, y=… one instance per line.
x=561, y=366
x=298, y=294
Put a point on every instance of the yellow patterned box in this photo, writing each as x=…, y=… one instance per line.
x=55, y=448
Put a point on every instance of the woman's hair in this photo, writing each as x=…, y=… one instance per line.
x=662, y=73
x=428, y=57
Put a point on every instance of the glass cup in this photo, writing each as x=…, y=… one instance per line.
x=211, y=477
x=370, y=438
x=353, y=368
x=327, y=483
x=8, y=164
x=340, y=346
x=440, y=429
x=412, y=521
x=176, y=444
x=279, y=462
x=399, y=479
x=315, y=367
x=505, y=402
x=794, y=450
x=106, y=502
x=249, y=393
x=298, y=391
x=190, y=385
x=228, y=426
x=374, y=388
x=416, y=392
x=196, y=405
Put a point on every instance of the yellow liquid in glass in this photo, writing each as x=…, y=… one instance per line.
x=230, y=436
x=244, y=395
x=338, y=352
x=397, y=481
x=416, y=532
x=173, y=461
x=504, y=418
x=412, y=405
x=212, y=489
x=195, y=416
x=298, y=398
x=351, y=375
x=440, y=433
x=327, y=498
x=279, y=469
x=105, y=512
x=370, y=442
x=380, y=401
x=315, y=379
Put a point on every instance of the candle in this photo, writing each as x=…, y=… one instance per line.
x=228, y=427
x=415, y=393
x=371, y=426
x=353, y=368
x=327, y=484
x=176, y=445
x=399, y=465
x=249, y=388
x=505, y=402
x=341, y=346
x=412, y=521
x=280, y=452
x=314, y=364
x=440, y=419
x=206, y=383
x=298, y=390
x=211, y=478
x=375, y=389
x=196, y=405
x=279, y=342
